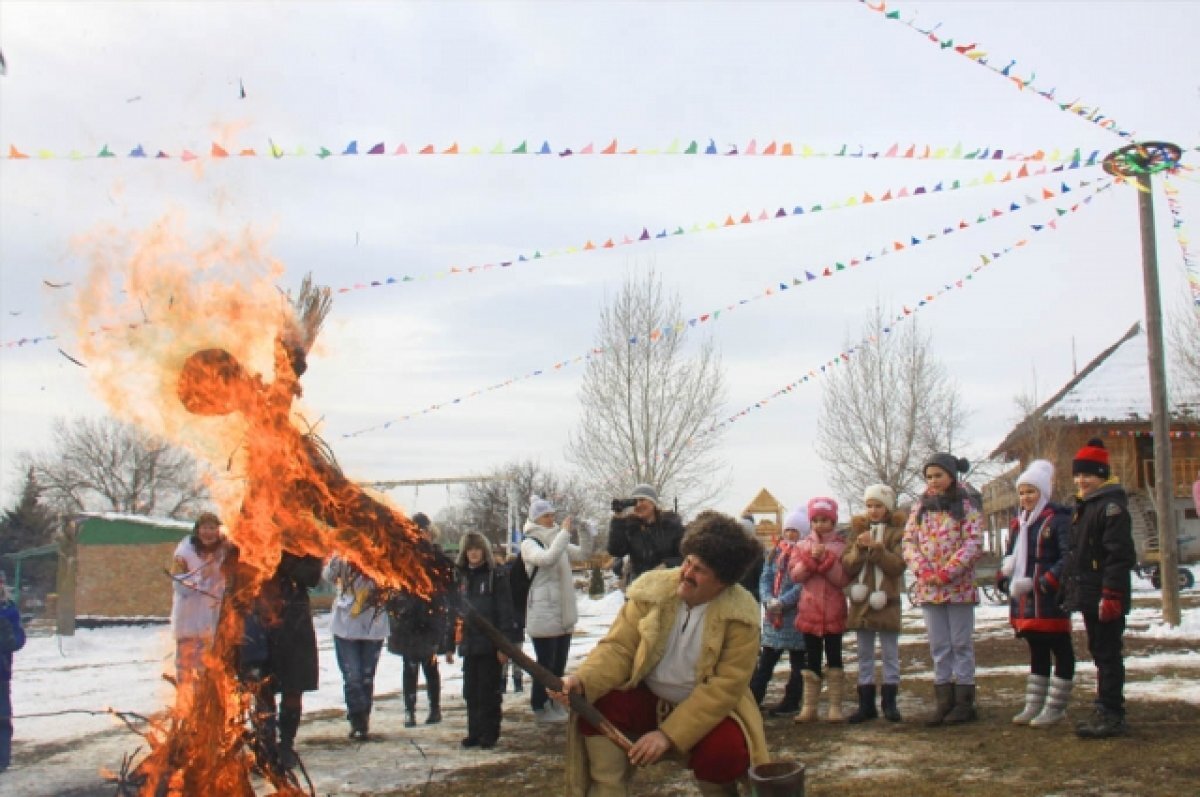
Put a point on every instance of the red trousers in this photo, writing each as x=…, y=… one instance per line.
x=720, y=757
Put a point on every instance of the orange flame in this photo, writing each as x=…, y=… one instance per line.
x=209, y=365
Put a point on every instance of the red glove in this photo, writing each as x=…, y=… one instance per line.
x=1110, y=606
x=1048, y=583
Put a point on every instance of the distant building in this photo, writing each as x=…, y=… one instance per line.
x=766, y=528
x=122, y=564
x=1109, y=399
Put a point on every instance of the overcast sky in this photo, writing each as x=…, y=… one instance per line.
x=168, y=76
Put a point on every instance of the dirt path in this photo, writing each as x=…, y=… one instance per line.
x=990, y=757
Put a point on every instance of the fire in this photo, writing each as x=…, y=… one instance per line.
x=213, y=363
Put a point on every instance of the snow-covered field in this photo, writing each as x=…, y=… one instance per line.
x=62, y=687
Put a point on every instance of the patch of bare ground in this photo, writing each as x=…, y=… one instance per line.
x=981, y=759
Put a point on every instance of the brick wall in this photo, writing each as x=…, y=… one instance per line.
x=124, y=580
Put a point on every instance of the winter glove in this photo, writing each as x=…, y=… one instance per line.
x=1048, y=583
x=1110, y=606
x=775, y=605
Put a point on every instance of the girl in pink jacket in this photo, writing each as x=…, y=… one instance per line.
x=816, y=562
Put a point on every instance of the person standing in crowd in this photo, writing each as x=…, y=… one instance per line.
x=279, y=655
x=941, y=547
x=12, y=639
x=753, y=576
x=780, y=597
x=551, y=614
x=816, y=564
x=646, y=534
x=1032, y=574
x=674, y=671
x=199, y=574
x=874, y=563
x=359, y=625
x=483, y=588
x=1097, y=582
x=420, y=630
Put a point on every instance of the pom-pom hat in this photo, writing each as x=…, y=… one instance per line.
x=1092, y=459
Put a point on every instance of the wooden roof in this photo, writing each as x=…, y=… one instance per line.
x=1044, y=411
x=763, y=503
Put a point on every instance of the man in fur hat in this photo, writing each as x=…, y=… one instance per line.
x=674, y=670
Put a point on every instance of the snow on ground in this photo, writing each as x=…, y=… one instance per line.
x=121, y=667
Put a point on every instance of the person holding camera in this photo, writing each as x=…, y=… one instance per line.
x=646, y=534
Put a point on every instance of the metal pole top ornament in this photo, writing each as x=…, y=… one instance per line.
x=1143, y=158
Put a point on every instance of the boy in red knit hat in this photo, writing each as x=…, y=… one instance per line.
x=1096, y=582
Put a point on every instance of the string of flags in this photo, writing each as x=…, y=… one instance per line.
x=809, y=275
x=1190, y=265
x=731, y=220
x=1175, y=434
x=907, y=311
x=973, y=52
x=772, y=147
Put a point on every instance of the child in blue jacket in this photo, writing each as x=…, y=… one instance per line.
x=12, y=638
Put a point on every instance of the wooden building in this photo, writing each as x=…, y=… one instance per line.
x=1110, y=400
x=768, y=516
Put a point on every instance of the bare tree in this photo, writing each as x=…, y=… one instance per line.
x=485, y=505
x=648, y=406
x=1184, y=341
x=885, y=410
x=102, y=464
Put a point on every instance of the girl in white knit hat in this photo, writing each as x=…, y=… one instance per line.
x=874, y=561
x=1038, y=543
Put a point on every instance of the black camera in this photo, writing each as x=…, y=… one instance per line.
x=621, y=504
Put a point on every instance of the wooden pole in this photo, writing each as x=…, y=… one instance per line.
x=548, y=679
x=1160, y=419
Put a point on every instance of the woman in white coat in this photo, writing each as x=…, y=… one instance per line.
x=550, y=614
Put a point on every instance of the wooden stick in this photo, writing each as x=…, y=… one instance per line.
x=548, y=679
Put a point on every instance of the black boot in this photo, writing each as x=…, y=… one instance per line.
x=359, y=726
x=866, y=705
x=945, y=704
x=888, y=703
x=964, y=705
x=410, y=711
x=1103, y=724
x=793, y=694
x=434, y=690
x=289, y=723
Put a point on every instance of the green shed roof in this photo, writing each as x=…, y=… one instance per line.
x=117, y=529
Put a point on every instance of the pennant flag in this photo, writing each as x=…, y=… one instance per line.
x=401, y=149
x=351, y=148
x=545, y=150
x=521, y=149
x=322, y=154
x=15, y=154
x=451, y=150
x=611, y=149
x=137, y=152
x=691, y=149
x=376, y=150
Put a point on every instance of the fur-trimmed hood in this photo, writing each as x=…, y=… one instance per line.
x=859, y=523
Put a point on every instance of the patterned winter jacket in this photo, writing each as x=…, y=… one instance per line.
x=941, y=550
x=822, y=602
x=1046, y=545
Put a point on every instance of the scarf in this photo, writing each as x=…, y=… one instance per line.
x=877, y=532
x=780, y=557
x=1021, y=552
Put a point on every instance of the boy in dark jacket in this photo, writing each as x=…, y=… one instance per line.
x=1097, y=582
x=484, y=587
x=12, y=639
